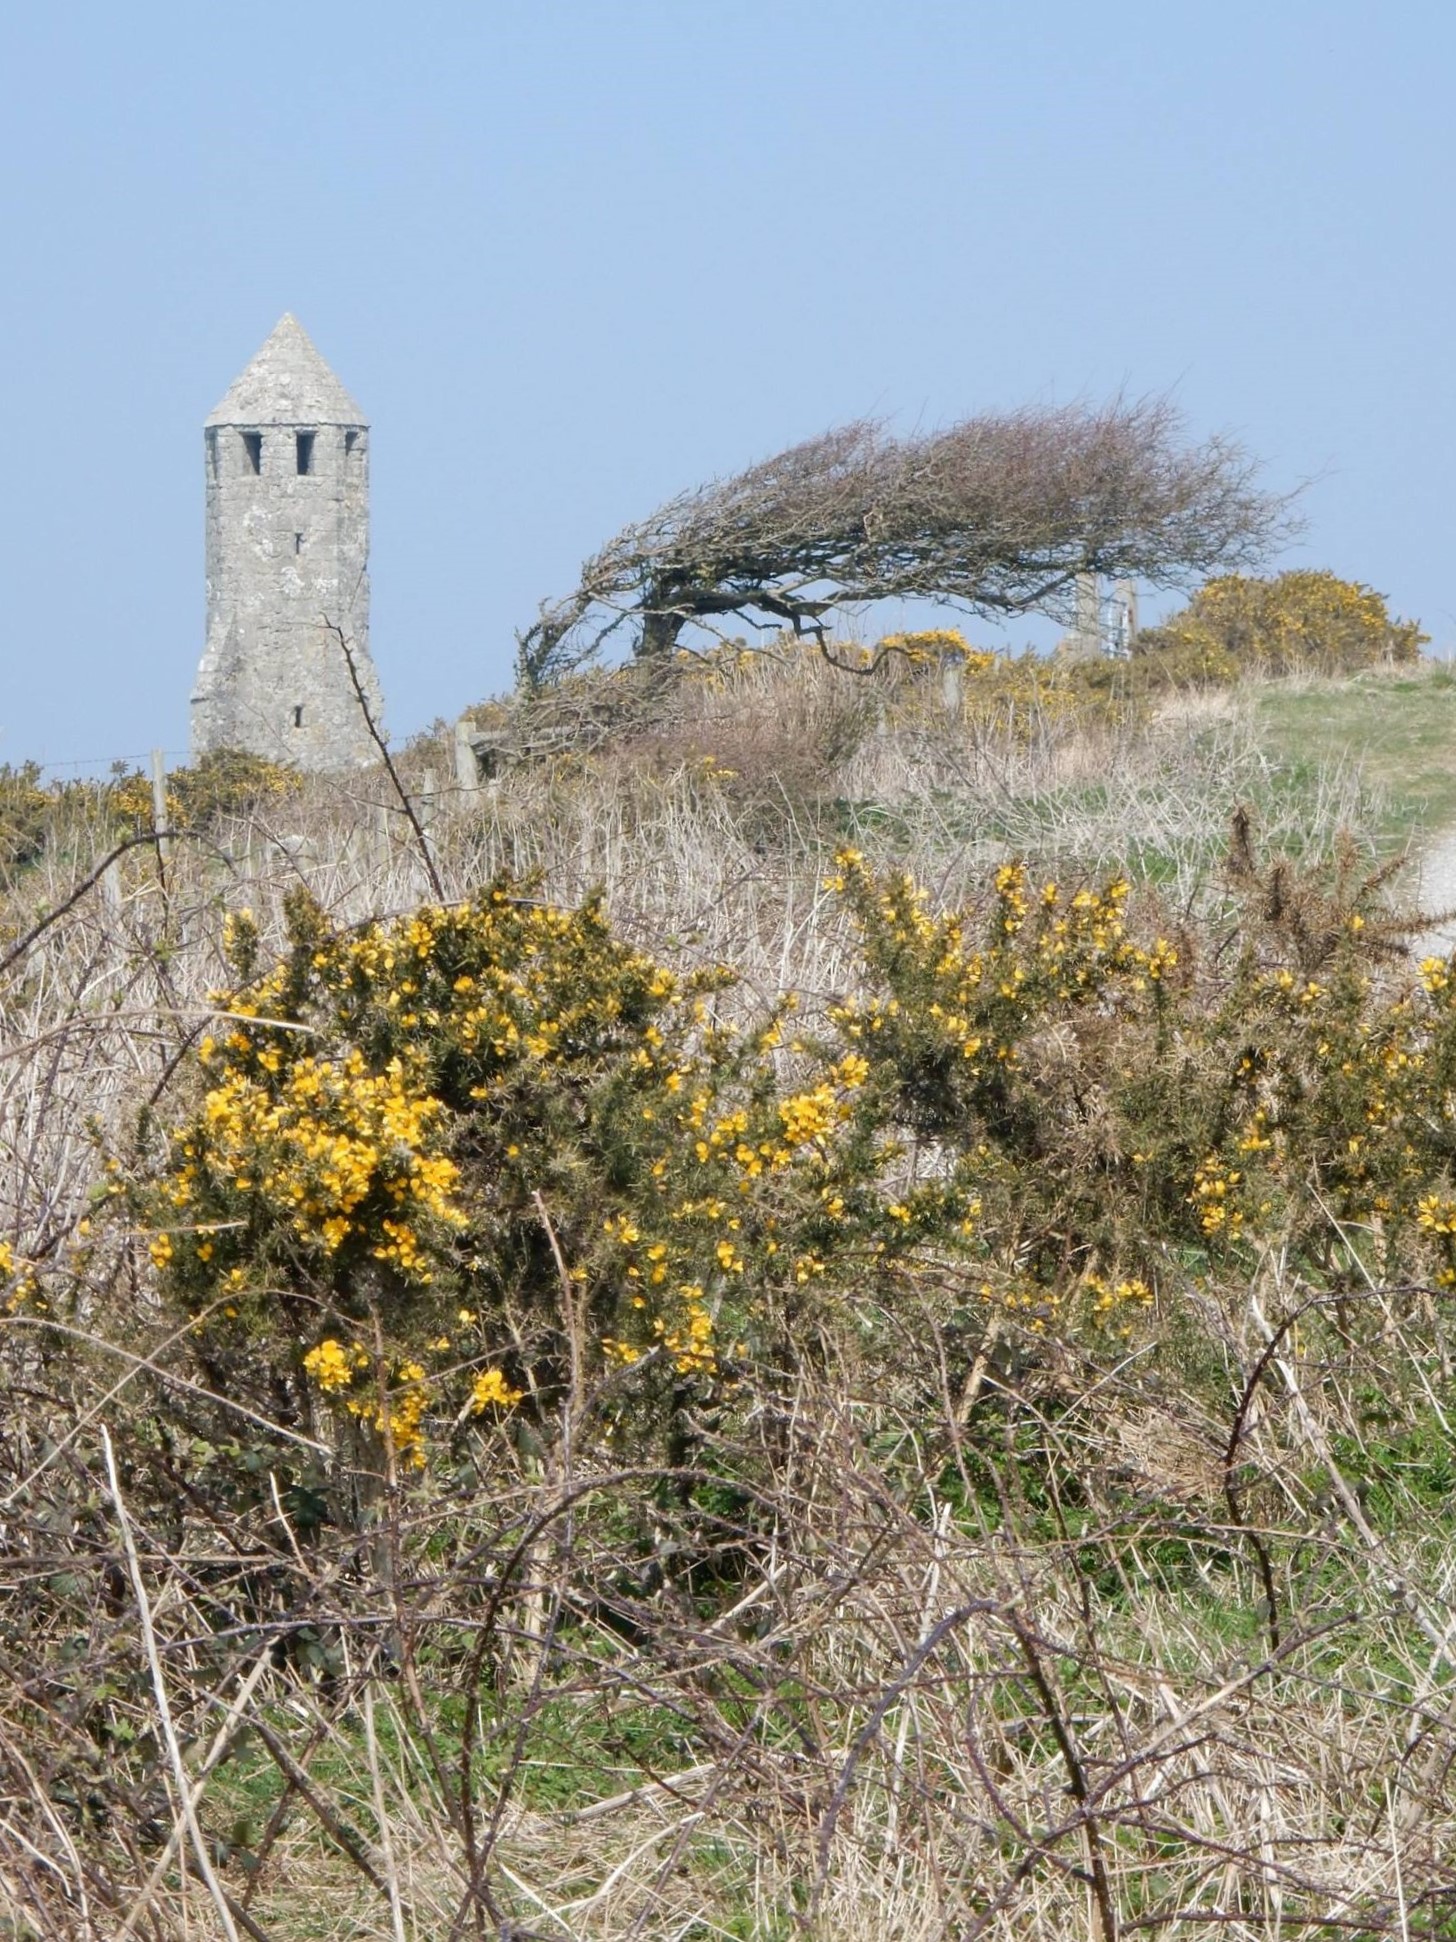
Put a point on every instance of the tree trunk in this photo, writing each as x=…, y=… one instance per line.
x=659, y=634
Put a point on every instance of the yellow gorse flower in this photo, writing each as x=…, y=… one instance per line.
x=491, y=1390
x=334, y=1366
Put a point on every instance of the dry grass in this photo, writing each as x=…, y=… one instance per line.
x=911, y=1726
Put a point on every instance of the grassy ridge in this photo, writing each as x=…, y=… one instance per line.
x=1397, y=729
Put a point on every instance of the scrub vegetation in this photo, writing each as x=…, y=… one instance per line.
x=822, y=1308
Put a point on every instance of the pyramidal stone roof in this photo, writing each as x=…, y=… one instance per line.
x=287, y=383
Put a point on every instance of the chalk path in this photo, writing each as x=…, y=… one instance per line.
x=1435, y=890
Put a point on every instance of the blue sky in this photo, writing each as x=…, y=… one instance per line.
x=574, y=257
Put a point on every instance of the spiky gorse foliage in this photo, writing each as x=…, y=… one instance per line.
x=37, y=815
x=1124, y=1101
x=992, y=1035
x=1137, y=1106
x=437, y=1162
x=24, y=807
x=17, y=1279
x=227, y=782
x=409, y=1135
x=1293, y=623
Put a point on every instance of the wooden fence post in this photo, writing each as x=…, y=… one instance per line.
x=467, y=769
x=159, y=803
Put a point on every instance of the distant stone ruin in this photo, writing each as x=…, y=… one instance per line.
x=287, y=472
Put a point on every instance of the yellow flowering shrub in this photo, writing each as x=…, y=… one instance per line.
x=934, y=645
x=434, y=1161
x=491, y=1388
x=226, y=782
x=35, y=813
x=24, y=814
x=405, y=1126
x=391, y=1401
x=332, y=1366
x=1116, y=1101
x=1298, y=621
x=18, y=1283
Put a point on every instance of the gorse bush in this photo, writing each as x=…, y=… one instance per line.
x=24, y=807
x=1303, y=622
x=35, y=814
x=409, y=1135
x=1137, y=1103
x=479, y=1154
x=227, y=782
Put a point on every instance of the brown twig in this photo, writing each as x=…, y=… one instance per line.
x=422, y=840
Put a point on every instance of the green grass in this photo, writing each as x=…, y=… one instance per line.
x=1397, y=730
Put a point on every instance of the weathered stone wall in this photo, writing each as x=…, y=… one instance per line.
x=287, y=552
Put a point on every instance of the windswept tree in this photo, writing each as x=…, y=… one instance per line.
x=995, y=516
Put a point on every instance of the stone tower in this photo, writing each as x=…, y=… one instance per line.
x=287, y=467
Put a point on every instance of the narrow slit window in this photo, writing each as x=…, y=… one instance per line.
x=350, y=439
x=305, y=452
x=212, y=453
x=298, y=542
x=253, y=450
x=298, y=717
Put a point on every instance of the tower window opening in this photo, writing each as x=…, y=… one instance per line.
x=298, y=542
x=253, y=450
x=298, y=717
x=305, y=452
x=350, y=439
x=212, y=453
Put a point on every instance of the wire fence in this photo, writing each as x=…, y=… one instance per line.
x=98, y=768
x=103, y=768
